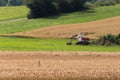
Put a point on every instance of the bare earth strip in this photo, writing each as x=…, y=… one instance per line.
x=52, y=65
x=91, y=29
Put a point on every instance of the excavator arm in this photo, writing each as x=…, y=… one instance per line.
x=74, y=36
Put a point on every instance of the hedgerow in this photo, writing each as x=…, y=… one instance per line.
x=109, y=39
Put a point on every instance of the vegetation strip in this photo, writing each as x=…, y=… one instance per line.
x=31, y=44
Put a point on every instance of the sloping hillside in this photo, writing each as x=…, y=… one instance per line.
x=91, y=29
x=20, y=25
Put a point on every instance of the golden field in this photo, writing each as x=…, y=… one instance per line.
x=59, y=65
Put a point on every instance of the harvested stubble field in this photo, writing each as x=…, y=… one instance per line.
x=93, y=29
x=59, y=65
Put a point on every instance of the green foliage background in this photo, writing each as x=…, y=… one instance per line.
x=12, y=2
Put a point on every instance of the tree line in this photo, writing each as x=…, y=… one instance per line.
x=10, y=2
x=43, y=8
x=104, y=2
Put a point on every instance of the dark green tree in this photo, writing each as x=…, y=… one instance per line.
x=64, y=6
x=10, y=2
x=3, y=2
x=77, y=5
x=42, y=8
x=15, y=2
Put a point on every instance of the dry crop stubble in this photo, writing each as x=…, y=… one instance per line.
x=59, y=65
x=93, y=29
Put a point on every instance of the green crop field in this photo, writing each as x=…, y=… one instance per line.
x=75, y=17
x=32, y=44
x=7, y=13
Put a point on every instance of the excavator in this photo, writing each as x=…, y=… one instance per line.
x=80, y=40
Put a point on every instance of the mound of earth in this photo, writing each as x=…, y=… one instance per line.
x=92, y=29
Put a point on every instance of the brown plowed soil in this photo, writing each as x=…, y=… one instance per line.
x=59, y=65
x=92, y=29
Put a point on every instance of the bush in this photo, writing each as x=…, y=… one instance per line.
x=43, y=8
x=109, y=40
x=102, y=40
x=118, y=39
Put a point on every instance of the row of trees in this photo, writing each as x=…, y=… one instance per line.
x=104, y=2
x=10, y=2
x=42, y=8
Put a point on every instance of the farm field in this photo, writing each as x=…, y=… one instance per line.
x=59, y=65
x=70, y=18
x=46, y=56
x=93, y=30
x=43, y=28
x=9, y=13
x=32, y=44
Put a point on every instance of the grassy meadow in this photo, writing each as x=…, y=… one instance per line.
x=8, y=13
x=75, y=17
x=8, y=26
x=32, y=44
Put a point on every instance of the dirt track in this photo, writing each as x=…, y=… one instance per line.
x=92, y=29
x=60, y=64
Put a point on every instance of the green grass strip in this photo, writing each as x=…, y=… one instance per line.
x=32, y=44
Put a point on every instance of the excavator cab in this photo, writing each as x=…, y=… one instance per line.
x=81, y=40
